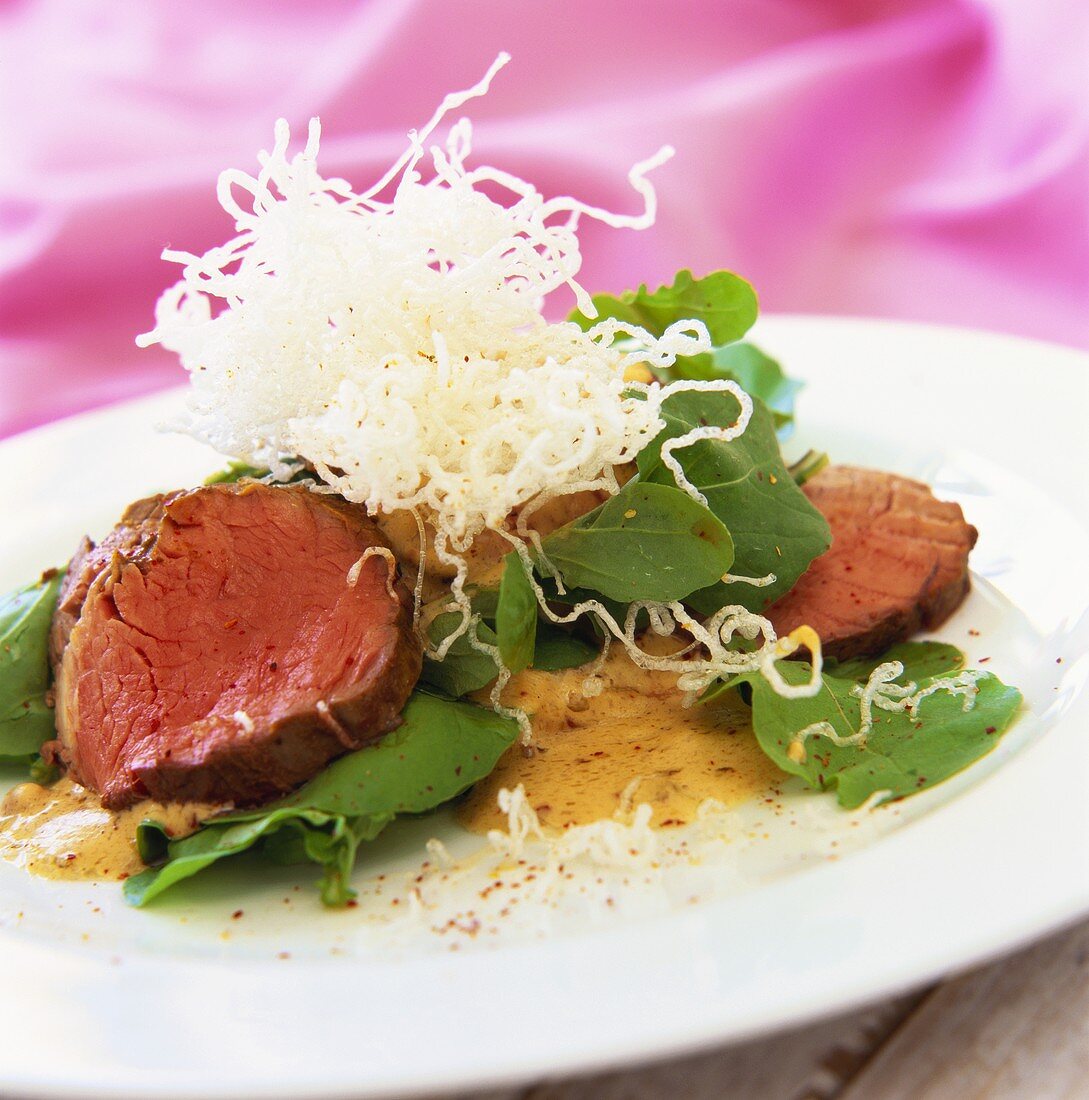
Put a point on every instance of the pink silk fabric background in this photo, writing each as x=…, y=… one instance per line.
x=923, y=160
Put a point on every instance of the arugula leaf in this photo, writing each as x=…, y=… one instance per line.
x=464, y=669
x=727, y=305
x=756, y=373
x=649, y=542
x=213, y=842
x=26, y=614
x=774, y=527
x=921, y=660
x=235, y=471
x=903, y=753
x=441, y=748
x=724, y=302
x=516, y=615
x=808, y=466
x=485, y=601
x=556, y=649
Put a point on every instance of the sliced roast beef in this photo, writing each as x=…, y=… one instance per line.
x=898, y=563
x=223, y=644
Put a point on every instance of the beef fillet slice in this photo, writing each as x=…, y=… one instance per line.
x=223, y=644
x=898, y=563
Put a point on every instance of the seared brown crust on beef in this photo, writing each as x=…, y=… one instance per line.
x=214, y=648
x=133, y=536
x=898, y=563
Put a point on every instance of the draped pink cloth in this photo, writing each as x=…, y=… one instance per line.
x=925, y=160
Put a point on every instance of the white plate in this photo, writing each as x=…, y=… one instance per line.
x=178, y=999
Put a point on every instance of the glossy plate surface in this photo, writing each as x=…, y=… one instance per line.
x=784, y=924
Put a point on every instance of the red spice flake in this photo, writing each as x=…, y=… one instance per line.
x=991, y=729
x=236, y=915
x=984, y=660
x=1058, y=660
x=352, y=903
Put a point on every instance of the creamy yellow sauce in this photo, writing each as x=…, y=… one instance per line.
x=635, y=740
x=63, y=831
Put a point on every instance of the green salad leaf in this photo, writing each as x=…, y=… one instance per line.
x=723, y=301
x=26, y=721
x=516, y=615
x=903, y=753
x=648, y=542
x=774, y=527
x=467, y=669
x=921, y=660
x=235, y=471
x=727, y=305
x=808, y=466
x=557, y=649
x=464, y=668
x=441, y=748
x=756, y=373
